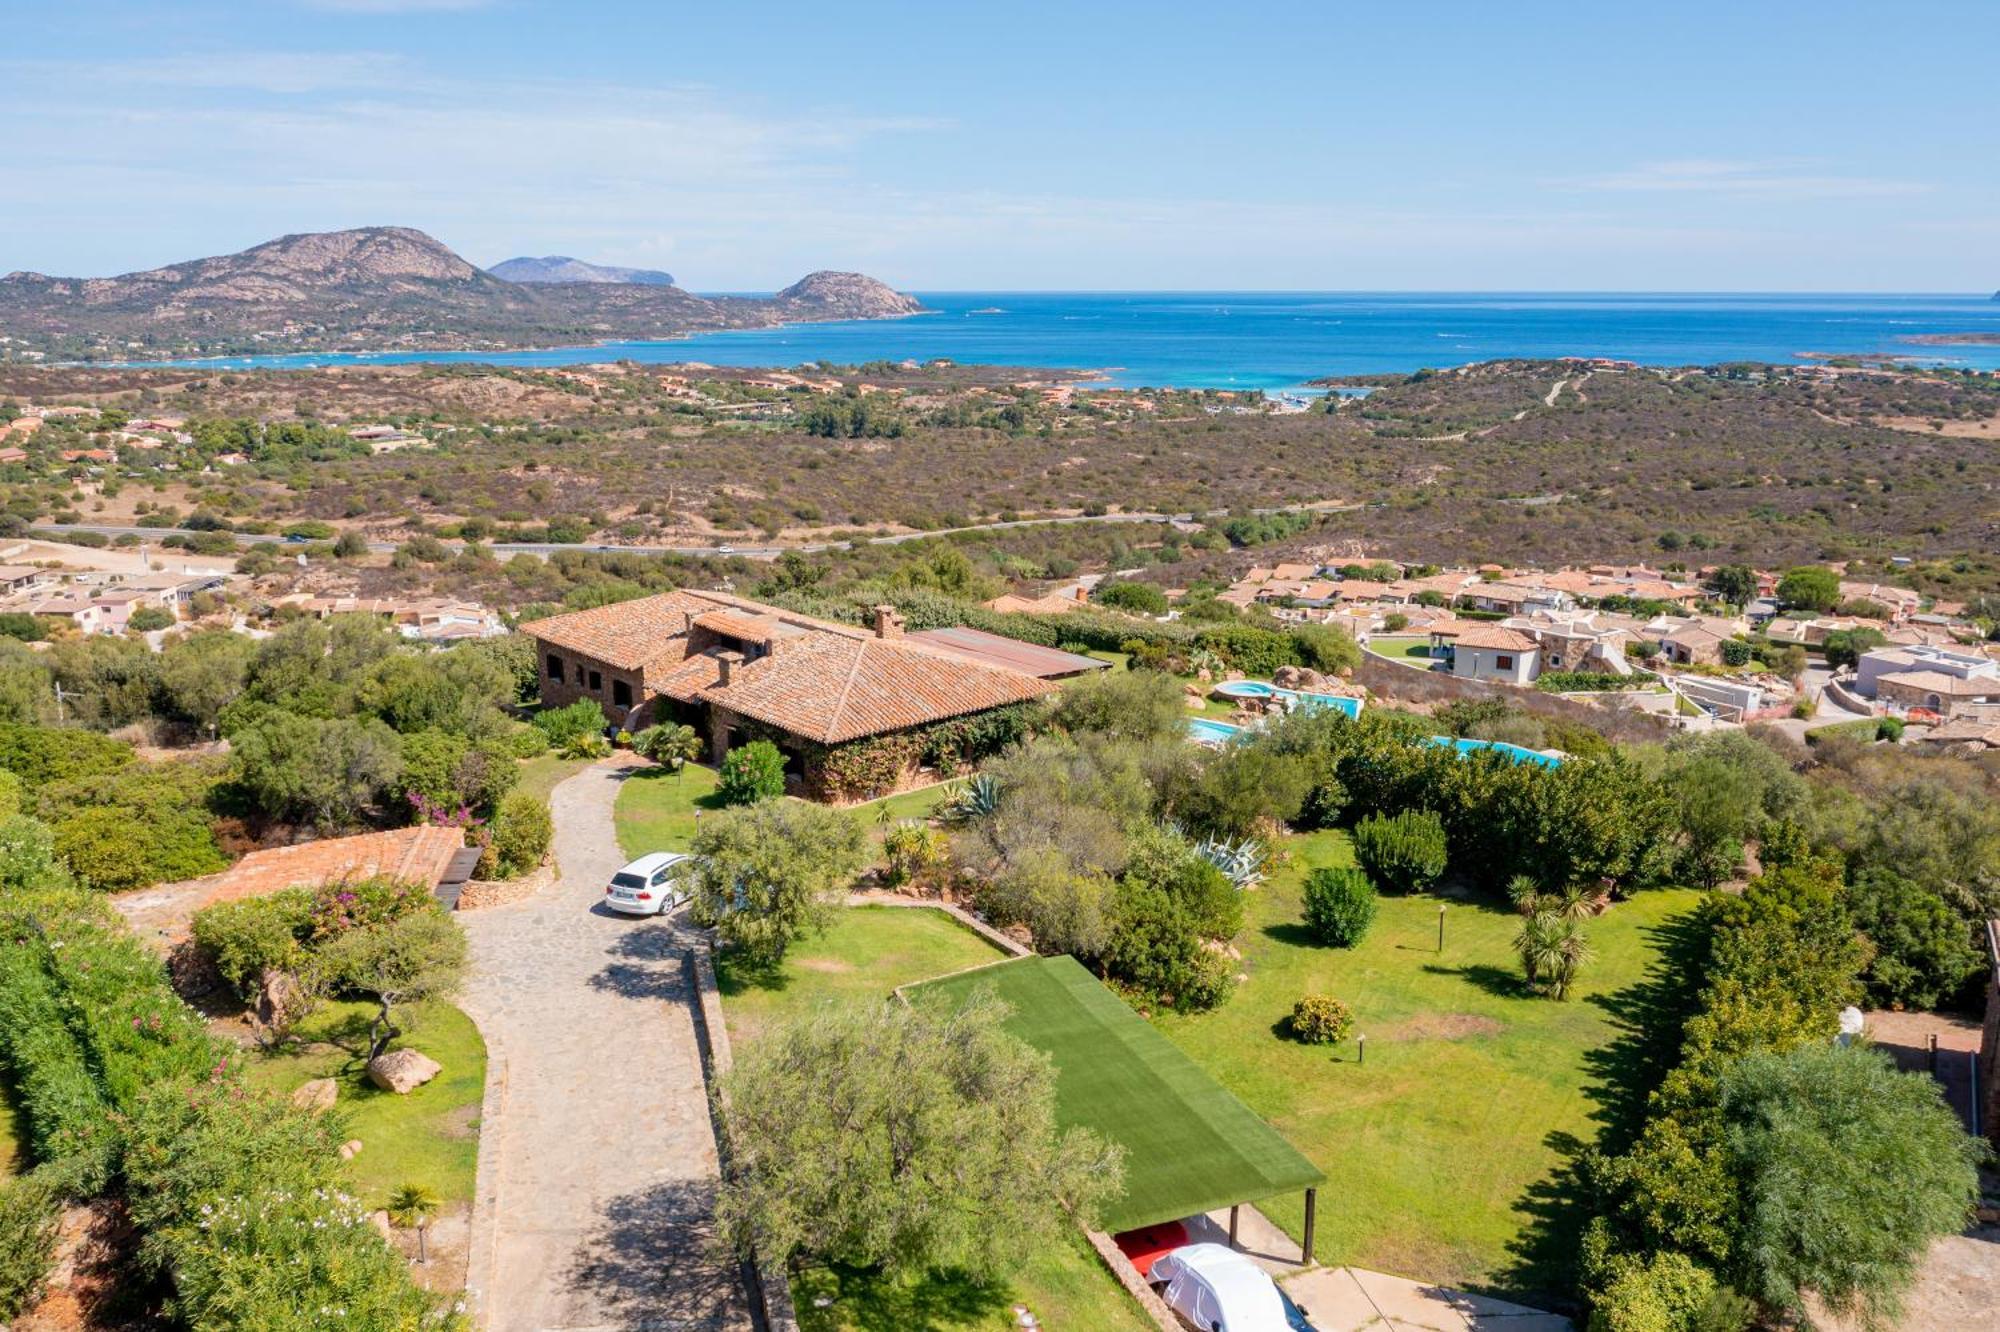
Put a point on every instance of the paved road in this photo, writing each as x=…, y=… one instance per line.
x=601, y=1156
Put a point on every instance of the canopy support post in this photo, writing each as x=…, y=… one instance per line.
x=1234, y=1208
x=1312, y=1213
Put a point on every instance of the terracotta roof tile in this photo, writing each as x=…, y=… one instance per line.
x=817, y=679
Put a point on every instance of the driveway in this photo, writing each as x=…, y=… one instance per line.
x=597, y=1168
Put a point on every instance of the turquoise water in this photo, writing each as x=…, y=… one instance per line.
x=1515, y=752
x=1263, y=689
x=1274, y=340
x=1212, y=732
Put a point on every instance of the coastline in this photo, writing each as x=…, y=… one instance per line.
x=421, y=355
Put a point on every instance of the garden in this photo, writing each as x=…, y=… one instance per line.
x=861, y=958
x=1446, y=1143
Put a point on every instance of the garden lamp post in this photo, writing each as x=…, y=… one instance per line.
x=1361, y=1049
x=1440, y=927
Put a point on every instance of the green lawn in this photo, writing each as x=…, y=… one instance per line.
x=656, y=809
x=1411, y=650
x=866, y=954
x=916, y=804
x=428, y=1137
x=1446, y=1151
x=540, y=774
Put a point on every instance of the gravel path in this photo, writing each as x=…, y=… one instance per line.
x=597, y=1167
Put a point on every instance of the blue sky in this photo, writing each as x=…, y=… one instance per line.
x=1444, y=146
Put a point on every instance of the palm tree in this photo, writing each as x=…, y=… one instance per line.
x=1575, y=901
x=1538, y=944
x=1553, y=950
x=1524, y=893
x=415, y=1205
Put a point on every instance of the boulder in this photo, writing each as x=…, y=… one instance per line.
x=383, y=1226
x=279, y=1000
x=319, y=1094
x=403, y=1071
x=350, y=1149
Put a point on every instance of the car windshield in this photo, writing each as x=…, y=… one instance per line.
x=623, y=880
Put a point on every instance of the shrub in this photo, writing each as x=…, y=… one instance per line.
x=361, y=904
x=1326, y=648
x=526, y=742
x=1889, y=728
x=147, y=619
x=1139, y=598
x=1735, y=652
x=28, y=1219
x=1662, y=1292
x=521, y=832
x=106, y=846
x=564, y=725
x=1404, y=851
x=751, y=773
x=914, y=849
x=249, y=936
x=1339, y=905
x=589, y=745
x=1155, y=948
x=1320, y=1019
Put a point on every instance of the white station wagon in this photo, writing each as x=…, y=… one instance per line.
x=652, y=884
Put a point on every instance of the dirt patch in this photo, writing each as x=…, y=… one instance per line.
x=1988, y=428
x=830, y=965
x=462, y=1123
x=1444, y=1027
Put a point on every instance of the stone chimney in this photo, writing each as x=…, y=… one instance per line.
x=726, y=663
x=888, y=624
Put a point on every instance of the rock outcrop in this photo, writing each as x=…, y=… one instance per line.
x=849, y=296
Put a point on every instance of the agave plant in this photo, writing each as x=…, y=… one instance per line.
x=1242, y=861
x=977, y=797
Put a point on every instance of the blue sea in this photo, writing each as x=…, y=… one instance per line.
x=1272, y=340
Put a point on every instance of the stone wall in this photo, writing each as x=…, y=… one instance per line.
x=576, y=682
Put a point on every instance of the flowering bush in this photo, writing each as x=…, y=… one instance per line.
x=359, y=903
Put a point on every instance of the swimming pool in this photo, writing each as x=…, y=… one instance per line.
x=1262, y=689
x=1203, y=731
x=1517, y=753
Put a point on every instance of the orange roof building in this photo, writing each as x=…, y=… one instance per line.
x=739, y=670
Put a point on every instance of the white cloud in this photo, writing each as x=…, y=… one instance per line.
x=1785, y=179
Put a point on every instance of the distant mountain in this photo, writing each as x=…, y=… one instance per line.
x=382, y=288
x=562, y=268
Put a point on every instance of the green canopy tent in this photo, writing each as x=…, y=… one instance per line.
x=1190, y=1146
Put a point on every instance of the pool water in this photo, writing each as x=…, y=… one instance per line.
x=1207, y=732
x=1265, y=689
x=1517, y=753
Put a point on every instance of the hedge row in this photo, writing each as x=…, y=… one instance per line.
x=235, y=1191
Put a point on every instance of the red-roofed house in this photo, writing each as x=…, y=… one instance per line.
x=1483, y=651
x=739, y=670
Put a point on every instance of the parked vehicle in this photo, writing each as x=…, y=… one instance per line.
x=650, y=885
x=1213, y=1288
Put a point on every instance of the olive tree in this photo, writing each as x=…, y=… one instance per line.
x=397, y=963
x=1846, y=1170
x=946, y=1152
x=769, y=872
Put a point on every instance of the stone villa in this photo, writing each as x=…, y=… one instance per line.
x=739, y=670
